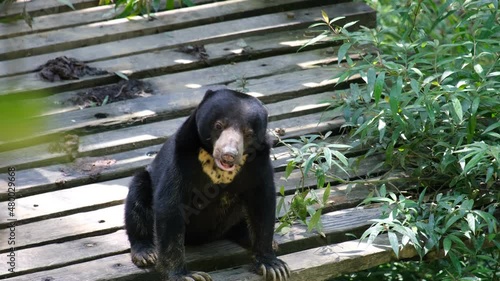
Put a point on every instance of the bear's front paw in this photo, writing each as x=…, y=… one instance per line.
x=144, y=256
x=193, y=276
x=272, y=268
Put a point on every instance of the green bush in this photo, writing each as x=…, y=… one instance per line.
x=431, y=102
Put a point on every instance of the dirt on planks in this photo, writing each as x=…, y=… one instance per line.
x=65, y=68
x=91, y=167
x=197, y=51
x=101, y=95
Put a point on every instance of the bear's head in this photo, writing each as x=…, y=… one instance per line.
x=231, y=125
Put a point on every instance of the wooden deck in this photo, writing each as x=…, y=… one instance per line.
x=69, y=213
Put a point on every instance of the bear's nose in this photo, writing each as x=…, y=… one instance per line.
x=228, y=156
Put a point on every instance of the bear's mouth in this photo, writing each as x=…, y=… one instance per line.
x=223, y=165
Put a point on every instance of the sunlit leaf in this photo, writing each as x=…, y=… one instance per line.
x=349, y=24
x=393, y=240
x=326, y=193
x=121, y=75
x=289, y=168
x=315, y=219
x=325, y=16
x=457, y=108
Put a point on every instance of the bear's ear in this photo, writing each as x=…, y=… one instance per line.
x=208, y=94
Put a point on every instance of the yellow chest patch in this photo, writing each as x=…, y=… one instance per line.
x=216, y=174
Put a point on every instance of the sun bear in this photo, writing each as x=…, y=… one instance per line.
x=212, y=178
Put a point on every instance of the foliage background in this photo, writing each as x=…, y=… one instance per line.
x=430, y=102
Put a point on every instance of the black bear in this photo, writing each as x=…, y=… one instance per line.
x=212, y=178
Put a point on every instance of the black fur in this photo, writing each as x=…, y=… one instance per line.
x=173, y=202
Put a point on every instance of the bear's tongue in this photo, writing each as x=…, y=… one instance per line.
x=224, y=166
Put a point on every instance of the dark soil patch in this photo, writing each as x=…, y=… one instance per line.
x=123, y=90
x=64, y=68
x=195, y=50
x=92, y=167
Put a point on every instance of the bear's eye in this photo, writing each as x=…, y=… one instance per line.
x=248, y=133
x=219, y=126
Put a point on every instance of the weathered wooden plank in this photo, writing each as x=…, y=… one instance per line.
x=138, y=64
x=323, y=263
x=69, y=201
x=122, y=29
x=68, y=19
x=149, y=64
x=150, y=43
x=75, y=226
x=61, y=254
x=219, y=254
x=44, y=7
x=144, y=135
x=174, y=104
x=29, y=84
x=112, y=166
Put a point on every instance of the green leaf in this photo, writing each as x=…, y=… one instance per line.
x=328, y=156
x=315, y=219
x=491, y=127
x=280, y=205
x=457, y=108
x=394, y=96
x=475, y=105
x=417, y=71
x=478, y=69
x=451, y=221
x=326, y=193
x=325, y=16
x=343, y=51
x=446, y=245
x=309, y=162
x=67, y=3
x=314, y=40
x=336, y=19
x=282, y=190
x=188, y=3
x=341, y=157
x=379, y=85
x=446, y=74
x=383, y=190
x=393, y=240
x=170, y=4
x=371, y=77
x=455, y=261
x=349, y=24
x=471, y=221
x=474, y=161
x=121, y=75
x=289, y=168
x=105, y=101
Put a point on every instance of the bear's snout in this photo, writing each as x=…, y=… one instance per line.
x=228, y=149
